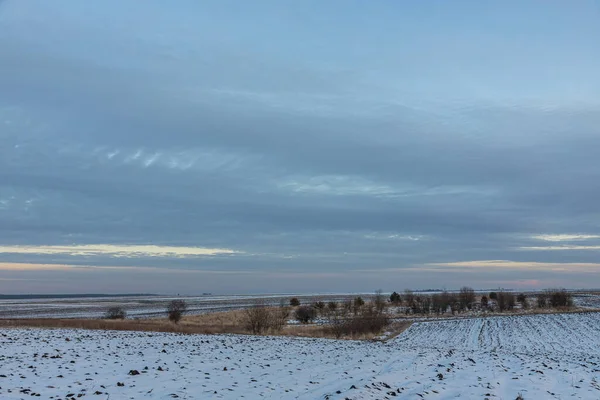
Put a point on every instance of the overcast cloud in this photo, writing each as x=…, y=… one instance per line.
x=282, y=146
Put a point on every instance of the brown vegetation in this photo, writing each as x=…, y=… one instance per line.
x=261, y=319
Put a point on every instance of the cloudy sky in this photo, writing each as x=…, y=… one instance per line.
x=298, y=146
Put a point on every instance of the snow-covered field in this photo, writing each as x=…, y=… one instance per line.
x=146, y=306
x=539, y=357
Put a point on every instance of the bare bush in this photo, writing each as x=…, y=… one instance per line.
x=505, y=301
x=369, y=321
x=346, y=307
x=522, y=298
x=493, y=296
x=257, y=319
x=294, y=302
x=466, y=297
x=332, y=306
x=279, y=318
x=425, y=304
x=115, y=312
x=379, y=301
x=176, y=309
x=395, y=299
x=260, y=319
x=305, y=314
x=484, y=302
x=559, y=298
x=319, y=306
x=357, y=304
x=440, y=302
x=542, y=300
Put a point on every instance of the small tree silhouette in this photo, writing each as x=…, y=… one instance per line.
x=175, y=310
x=115, y=312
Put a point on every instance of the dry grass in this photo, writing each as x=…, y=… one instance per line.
x=231, y=322
x=397, y=328
x=228, y=322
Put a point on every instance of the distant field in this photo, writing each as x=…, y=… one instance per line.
x=148, y=306
x=145, y=306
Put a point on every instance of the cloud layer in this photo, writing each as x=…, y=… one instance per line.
x=298, y=140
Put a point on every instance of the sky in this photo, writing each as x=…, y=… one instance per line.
x=298, y=146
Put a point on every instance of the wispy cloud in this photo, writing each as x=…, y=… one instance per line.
x=119, y=251
x=519, y=265
x=201, y=138
x=565, y=237
x=559, y=248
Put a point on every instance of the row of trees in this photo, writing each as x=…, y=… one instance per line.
x=466, y=299
x=320, y=308
x=356, y=313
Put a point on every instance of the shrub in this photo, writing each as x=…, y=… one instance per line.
x=294, y=302
x=261, y=319
x=346, y=307
x=305, y=314
x=505, y=301
x=379, y=301
x=256, y=319
x=542, y=300
x=357, y=304
x=115, y=312
x=484, y=302
x=493, y=296
x=559, y=298
x=332, y=306
x=319, y=306
x=395, y=298
x=466, y=297
x=441, y=301
x=176, y=309
x=522, y=298
x=367, y=322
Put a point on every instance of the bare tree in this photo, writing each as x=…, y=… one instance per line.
x=409, y=297
x=319, y=306
x=395, y=299
x=505, y=301
x=357, y=304
x=261, y=319
x=305, y=314
x=484, y=302
x=522, y=298
x=294, y=302
x=542, y=300
x=115, y=312
x=379, y=301
x=466, y=297
x=176, y=309
x=256, y=319
x=332, y=306
x=559, y=298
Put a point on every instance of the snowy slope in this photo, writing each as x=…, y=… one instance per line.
x=541, y=357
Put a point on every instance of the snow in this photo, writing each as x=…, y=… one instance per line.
x=539, y=356
x=144, y=306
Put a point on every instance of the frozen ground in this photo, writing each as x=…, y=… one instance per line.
x=540, y=357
